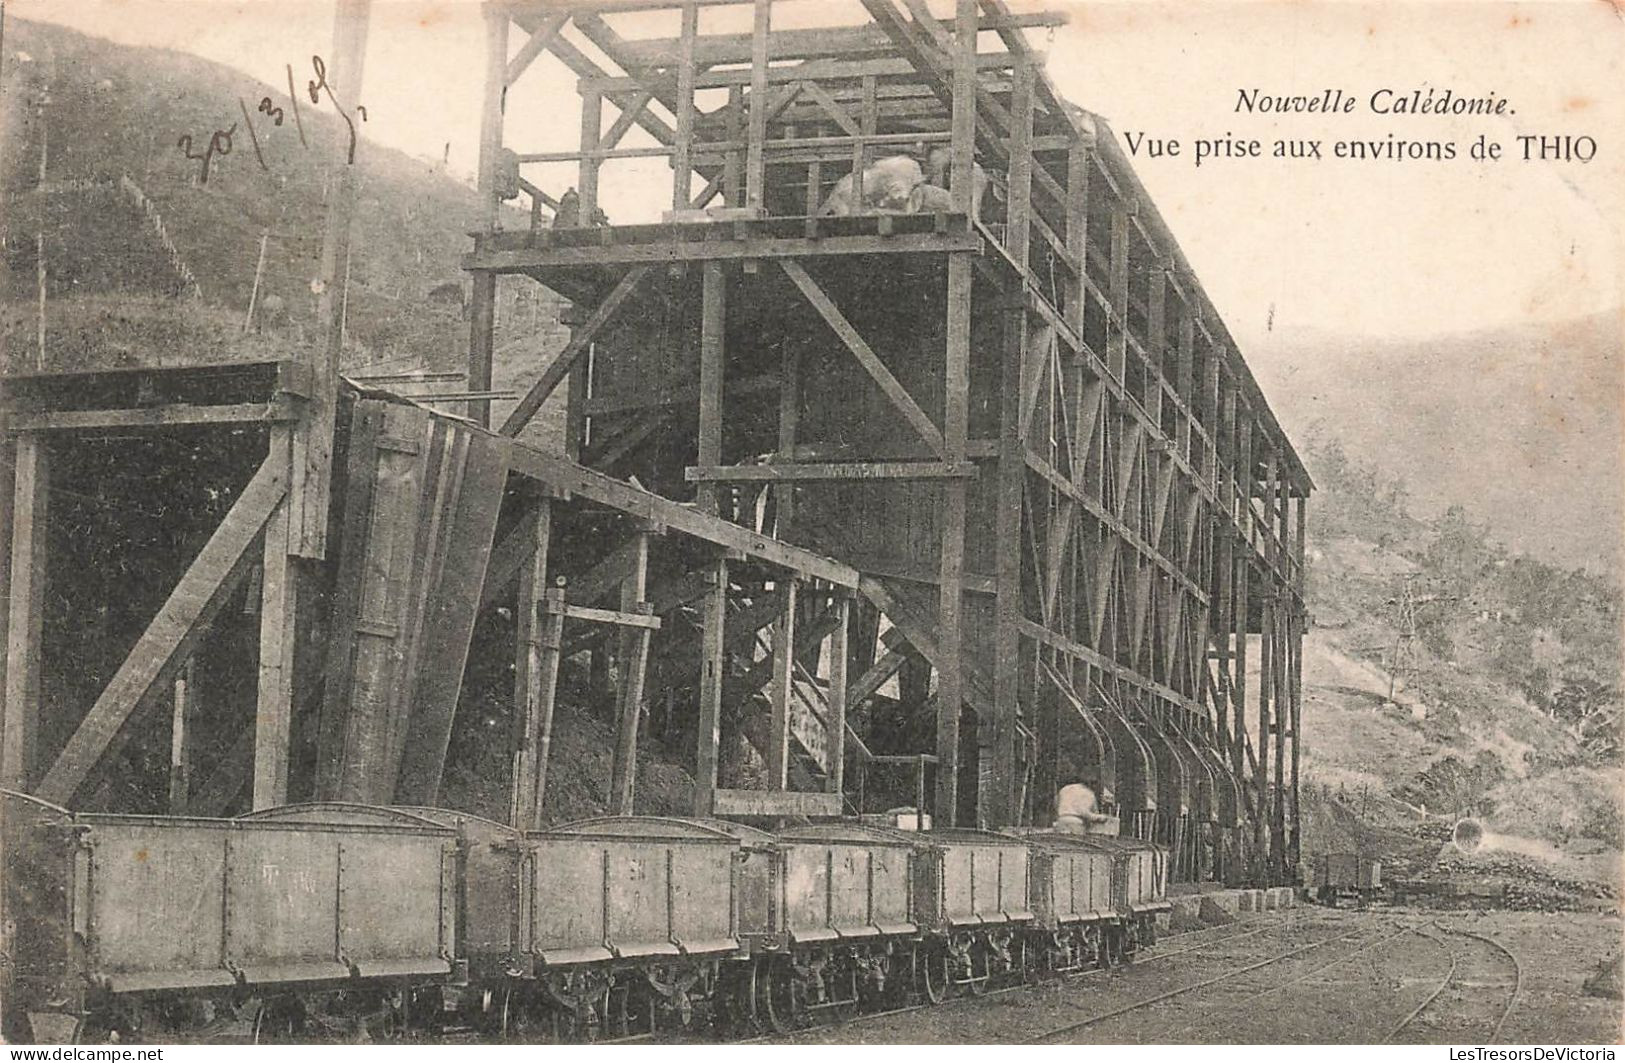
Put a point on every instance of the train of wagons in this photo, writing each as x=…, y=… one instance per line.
x=315, y=921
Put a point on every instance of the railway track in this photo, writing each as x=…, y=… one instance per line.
x=1056, y=1033
x=1447, y=1014
x=1313, y=972
x=1211, y=938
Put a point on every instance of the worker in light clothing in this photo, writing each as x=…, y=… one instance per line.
x=1076, y=809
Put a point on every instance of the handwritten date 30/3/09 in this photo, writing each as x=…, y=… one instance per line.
x=220, y=142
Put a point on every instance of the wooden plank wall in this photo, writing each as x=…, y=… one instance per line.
x=424, y=493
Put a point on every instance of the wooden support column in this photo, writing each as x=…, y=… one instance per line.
x=835, y=732
x=950, y=666
x=482, y=308
x=784, y=656
x=1263, y=827
x=279, y=612
x=313, y=442
x=1078, y=164
x=789, y=421
x=999, y=807
x=592, y=128
x=1017, y=232
x=756, y=139
x=712, y=666
x=633, y=661
x=682, y=192
x=1117, y=324
x=1300, y=622
x=25, y=612
x=713, y=356
x=535, y=673
x=482, y=303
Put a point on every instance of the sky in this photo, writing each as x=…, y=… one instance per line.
x=1373, y=246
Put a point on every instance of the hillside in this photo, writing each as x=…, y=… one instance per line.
x=1519, y=426
x=123, y=212
x=1503, y=705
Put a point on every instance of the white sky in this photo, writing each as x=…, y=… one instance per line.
x=1374, y=247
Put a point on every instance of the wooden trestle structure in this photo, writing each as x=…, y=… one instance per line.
x=978, y=503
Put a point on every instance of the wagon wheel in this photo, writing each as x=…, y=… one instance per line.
x=783, y=995
x=933, y=967
x=744, y=1009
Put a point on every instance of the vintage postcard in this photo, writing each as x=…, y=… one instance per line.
x=811, y=522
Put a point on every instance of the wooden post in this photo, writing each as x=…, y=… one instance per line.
x=279, y=611
x=29, y=552
x=835, y=779
x=733, y=174
x=712, y=665
x=784, y=496
x=592, y=125
x=259, y=272
x=756, y=139
x=313, y=442
x=180, y=761
x=784, y=657
x=532, y=690
x=956, y=406
x=713, y=356
x=1017, y=232
x=549, y=652
x=633, y=661
x=1077, y=232
x=482, y=325
x=682, y=192
x=1117, y=323
x=999, y=807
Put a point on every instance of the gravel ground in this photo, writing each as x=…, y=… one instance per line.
x=1342, y=977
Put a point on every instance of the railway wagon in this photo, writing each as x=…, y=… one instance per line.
x=147, y=926
x=1073, y=911
x=626, y=920
x=1139, y=890
x=1341, y=876
x=847, y=905
x=974, y=906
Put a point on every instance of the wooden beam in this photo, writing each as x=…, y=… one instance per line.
x=771, y=803
x=560, y=367
x=784, y=641
x=712, y=664
x=173, y=633
x=498, y=255
x=835, y=723
x=535, y=674
x=634, y=661
x=29, y=552
x=148, y=417
x=617, y=618
x=778, y=473
x=311, y=487
x=279, y=616
x=865, y=355
x=713, y=363
x=761, y=42
x=950, y=601
x=567, y=476
x=535, y=45
x=683, y=156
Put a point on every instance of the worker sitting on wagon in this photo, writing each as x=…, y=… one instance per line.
x=1076, y=809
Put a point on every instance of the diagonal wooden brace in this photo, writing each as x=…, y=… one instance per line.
x=174, y=632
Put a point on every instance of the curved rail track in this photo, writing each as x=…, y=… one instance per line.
x=1057, y=1032
x=1445, y=1015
